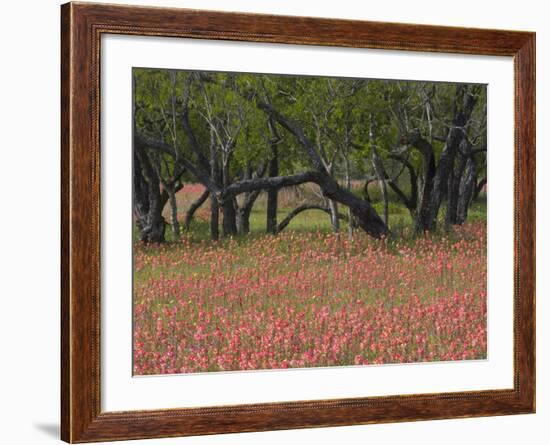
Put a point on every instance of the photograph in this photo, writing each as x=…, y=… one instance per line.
x=291, y=221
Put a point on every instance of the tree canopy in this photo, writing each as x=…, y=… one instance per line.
x=243, y=134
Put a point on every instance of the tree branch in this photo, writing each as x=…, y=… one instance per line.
x=194, y=207
x=196, y=171
x=302, y=208
x=250, y=185
x=297, y=132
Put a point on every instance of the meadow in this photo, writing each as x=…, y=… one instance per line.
x=308, y=296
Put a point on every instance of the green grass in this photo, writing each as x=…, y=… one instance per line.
x=400, y=222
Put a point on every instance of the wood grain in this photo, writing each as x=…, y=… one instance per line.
x=81, y=28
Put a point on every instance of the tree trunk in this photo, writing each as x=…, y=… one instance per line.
x=444, y=170
x=272, y=194
x=348, y=188
x=244, y=211
x=334, y=220
x=214, y=219
x=377, y=163
x=148, y=199
x=173, y=212
x=464, y=105
x=194, y=207
x=422, y=222
x=411, y=201
x=453, y=192
x=214, y=177
x=243, y=220
x=378, y=169
x=365, y=215
x=141, y=195
x=466, y=190
x=229, y=224
x=155, y=230
x=366, y=194
x=272, y=208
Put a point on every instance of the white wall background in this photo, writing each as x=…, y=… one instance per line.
x=29, y=219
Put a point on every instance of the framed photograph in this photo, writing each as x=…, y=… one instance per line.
x=274, y=222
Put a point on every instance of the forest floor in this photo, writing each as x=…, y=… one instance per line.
x=307, y=296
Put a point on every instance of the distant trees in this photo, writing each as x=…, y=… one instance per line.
x=242, y=134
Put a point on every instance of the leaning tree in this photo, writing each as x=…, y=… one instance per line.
x=240, y=135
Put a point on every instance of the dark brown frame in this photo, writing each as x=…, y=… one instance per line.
x=82, y=25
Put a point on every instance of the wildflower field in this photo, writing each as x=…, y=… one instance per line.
x=308, y=298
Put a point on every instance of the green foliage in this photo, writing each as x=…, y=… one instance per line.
x=347, y=120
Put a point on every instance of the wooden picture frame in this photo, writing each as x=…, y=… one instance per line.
x=82, y=25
